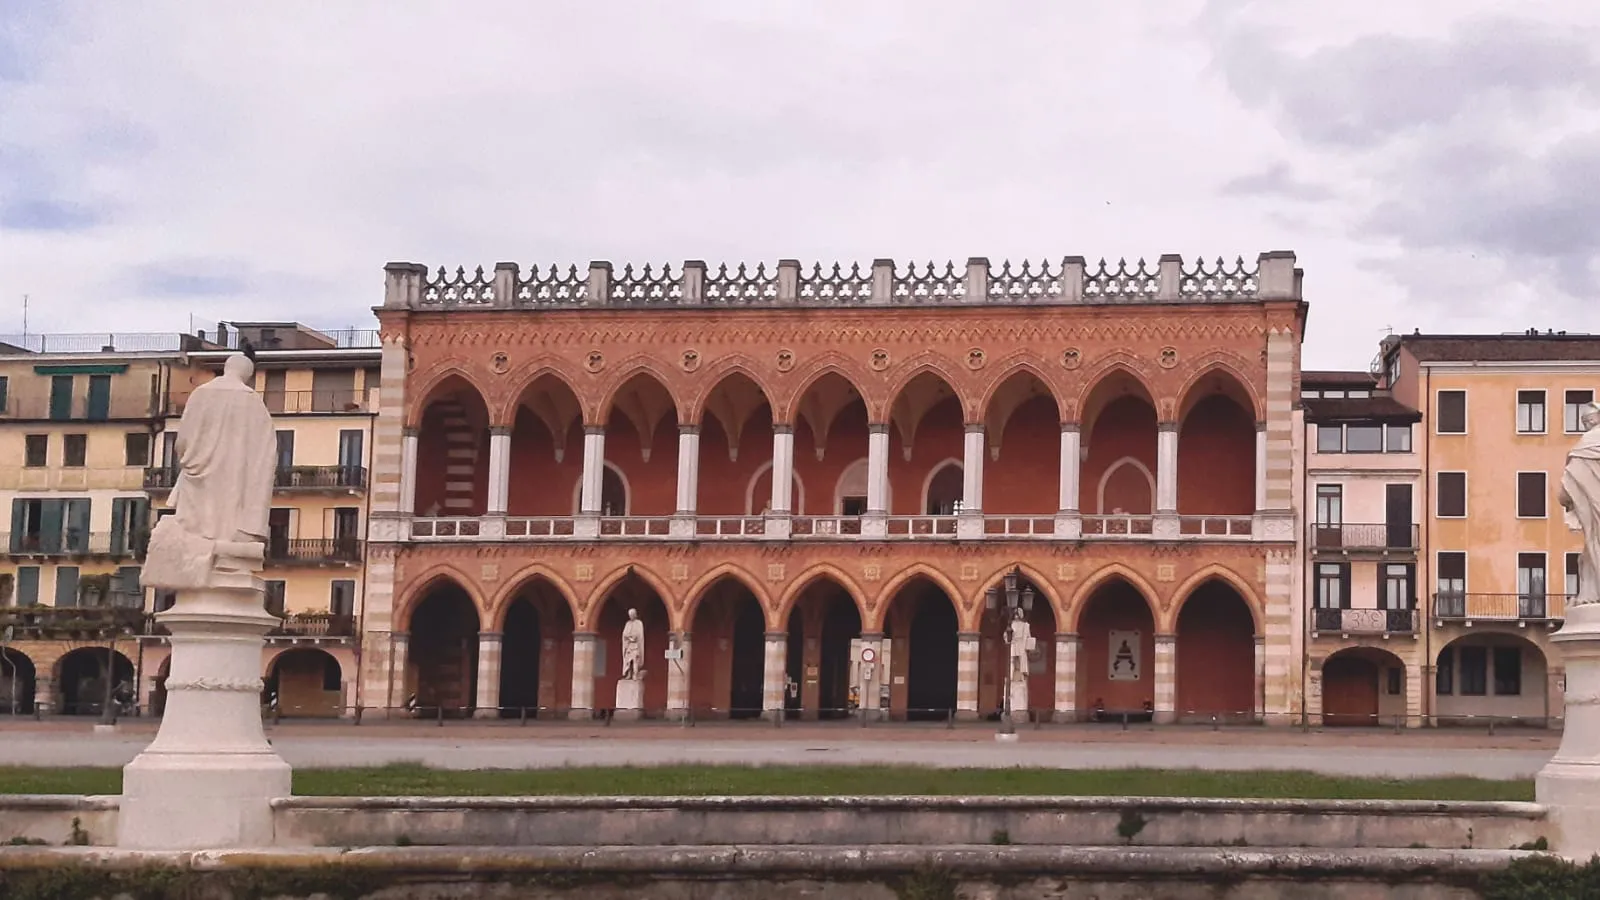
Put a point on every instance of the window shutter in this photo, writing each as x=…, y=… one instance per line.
x=66, y=586
x=119, y=518
x=78, y=525
x=50, y=525
x=19, y=524
x=1344, y=586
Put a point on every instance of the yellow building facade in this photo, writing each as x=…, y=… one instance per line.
x=1500, y=414
x=80, y=417
x=321, y=389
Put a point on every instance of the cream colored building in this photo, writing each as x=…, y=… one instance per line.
x=1364, y=656
x=321, y=388
x=80, y=416
x=1498, y=562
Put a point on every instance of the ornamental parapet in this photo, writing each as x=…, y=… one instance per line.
x=1069, y=280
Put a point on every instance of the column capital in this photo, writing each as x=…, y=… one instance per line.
x=1167, y=426
x=1261, y=425
x=777, y=635
x=1070, y=428
x=499, y=430
x=689, y=428
x=585, y=637
x=399, y=637
x=973, y=428
x=594, y=429
x=1165, y=638
x=877, y=428
x=1067, y=637
x=968, y=635
x=410, y=431
x=778, y=428
x=871, y=636
x=490, y=636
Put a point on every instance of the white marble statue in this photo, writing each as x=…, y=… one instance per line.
x=1019, y=637
x=633, y=647
x=226, y=450
x=1580, y=497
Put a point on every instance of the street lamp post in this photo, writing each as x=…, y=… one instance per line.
x=1011, y=596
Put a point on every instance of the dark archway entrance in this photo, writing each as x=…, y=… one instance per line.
x=83, y=680
x=444, y=652
x=924, y=646
x=823, y=623
x=728, y=662
x=305, y=682
x=536, y=652
x=17, y=680
x=1216, y=672
x=1116, y=659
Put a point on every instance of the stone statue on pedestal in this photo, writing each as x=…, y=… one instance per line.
x=226, y=451
x=1019, y=639
x=1580, y=498
x=633, y=647
x=209, y=778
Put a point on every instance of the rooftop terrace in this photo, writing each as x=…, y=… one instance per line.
x=1071, y=281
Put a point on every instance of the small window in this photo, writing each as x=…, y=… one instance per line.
x=1310, y=395
x=1330, y=439
x=1452, y=494
x=1444, y=677
x=136, y=449
x=1574, y=583
x=1397, y=586
x=74, y=450
x=1530, y=412
x=330, y=675
x=1332, y=579
x=1571, y=410
x=1358, y=395
x=1396, y=681
x=342, y=598
x=1531, y=495
x=1363, y=439
x=1474, y=671
x=1333, y=395
x=1398, y=439
x=5, y=392
x=36, y=451
x=1507, y=671
x=1452, y=417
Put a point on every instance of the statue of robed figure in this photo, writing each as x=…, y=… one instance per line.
x=1580, y=497
x=226, y=449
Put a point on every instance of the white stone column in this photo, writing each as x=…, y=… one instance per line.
x=783, y=470
x=1066, y=677
x=488, y=694
x=779, y=509
x=773, y=680
x=399, y=659
x=408, y=472
x=875, y=524
x=1167, y=469
x=1261, y=466
x=1069, y=522
x=583, y=674
x=688, y=469
x=594, y=466
x=1258, y=699
x=678, y=679
x=967, y=675
x=1166, y=678
x=499, y=470
x=871, y=677
x=684, y=510
x=970, y=523
x=209, y=778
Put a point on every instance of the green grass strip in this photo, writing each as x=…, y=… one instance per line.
x=753, y=781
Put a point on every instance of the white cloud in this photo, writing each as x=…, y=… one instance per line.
x=265, y=162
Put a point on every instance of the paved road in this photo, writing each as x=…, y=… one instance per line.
x=1404, y=756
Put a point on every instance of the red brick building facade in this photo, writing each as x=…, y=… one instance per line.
x=557, y=447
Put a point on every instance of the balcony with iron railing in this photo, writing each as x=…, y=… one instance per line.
x=1519, y=607
x=315, y=625
x=1351, y=538
x=80, y=407
x=84, y=623
x=1346, y=622
x=316, y=552
x=339, y=479
x=76, y=544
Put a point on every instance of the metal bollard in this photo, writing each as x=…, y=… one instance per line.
x=523, y=716
x=1215, y=724
x=1124, y=721
x=441, y=715
x=950, y=720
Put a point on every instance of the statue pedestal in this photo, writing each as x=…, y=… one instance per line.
x=1019, y=701
x=208, y=779
x=1569, y=785
x=630, y=699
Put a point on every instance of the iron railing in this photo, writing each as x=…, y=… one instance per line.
x=1508, y=607
x=1365, y=621
x=318, y=624
x=72, y=543
x=1363, y=537
x=287, y=551
x=321, y=478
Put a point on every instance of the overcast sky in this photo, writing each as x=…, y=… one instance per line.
x=1434, y=163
